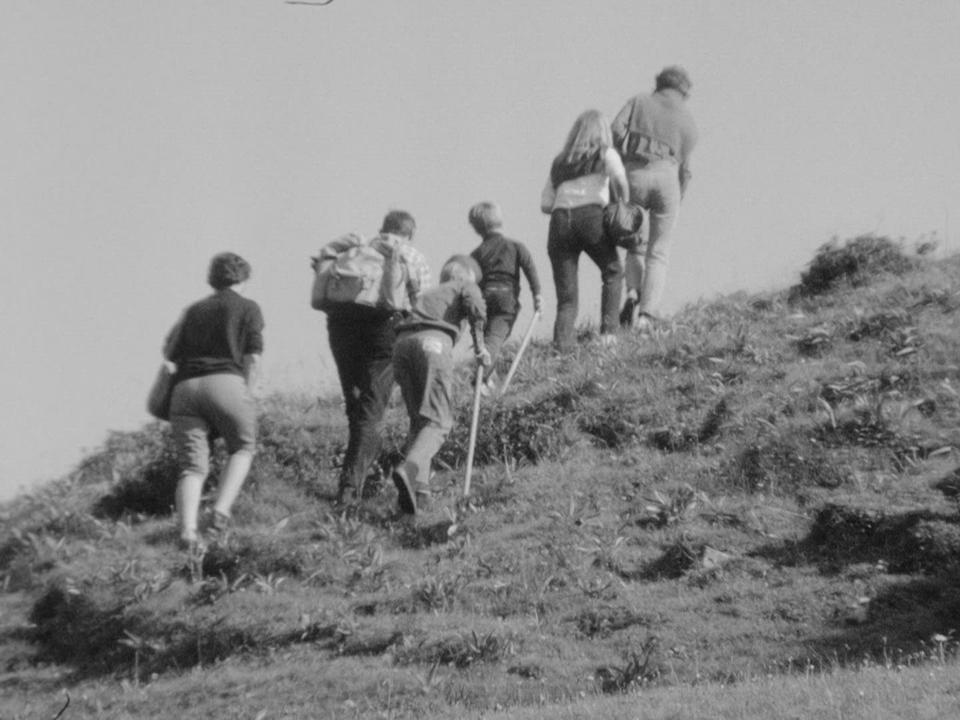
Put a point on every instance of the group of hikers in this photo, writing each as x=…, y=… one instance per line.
x=641, y=160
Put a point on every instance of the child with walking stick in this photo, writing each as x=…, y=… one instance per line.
x=501, y=261
x=423, y=367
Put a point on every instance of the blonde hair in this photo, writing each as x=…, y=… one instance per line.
x=485, y=217
x=461, y=267
x=589, y=135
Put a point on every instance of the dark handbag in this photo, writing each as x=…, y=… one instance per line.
x=158, y=399
x=161, y=392
x=622, y=223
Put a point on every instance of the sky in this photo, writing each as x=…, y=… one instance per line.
x=139, y=139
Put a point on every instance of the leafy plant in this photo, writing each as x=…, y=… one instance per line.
x=854, y=261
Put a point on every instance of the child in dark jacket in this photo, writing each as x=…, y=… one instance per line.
x=423, y=367
x=501, y=260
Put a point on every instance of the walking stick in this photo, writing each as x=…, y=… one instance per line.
x=473, y=430
x=523, y=346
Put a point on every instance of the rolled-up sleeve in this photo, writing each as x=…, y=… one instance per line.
x=473, y=304
x=419, y=279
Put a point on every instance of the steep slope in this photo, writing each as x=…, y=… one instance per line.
x=764, y=485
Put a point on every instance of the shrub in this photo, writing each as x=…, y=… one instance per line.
x=855, y=262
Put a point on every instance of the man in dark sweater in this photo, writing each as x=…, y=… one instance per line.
x=361, y=341
x=501, y=260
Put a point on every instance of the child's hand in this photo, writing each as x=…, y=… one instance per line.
x=538, y=303
x=483, y=357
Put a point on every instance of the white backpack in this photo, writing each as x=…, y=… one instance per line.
x=353, y=270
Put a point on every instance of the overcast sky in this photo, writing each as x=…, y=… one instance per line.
x=138, y=139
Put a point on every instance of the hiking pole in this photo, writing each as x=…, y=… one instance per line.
x=523, y=346
x=471, y=446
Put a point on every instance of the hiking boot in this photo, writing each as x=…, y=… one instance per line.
x=423, y=499
x=406, y=498
x=191, y=544
x=347, y=496
x=217, y=528
x=643, y=325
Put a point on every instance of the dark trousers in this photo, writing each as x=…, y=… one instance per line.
x=572, y=232
x=363, y=352
x=502, y=308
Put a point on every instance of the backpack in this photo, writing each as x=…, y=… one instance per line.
x=352, y=270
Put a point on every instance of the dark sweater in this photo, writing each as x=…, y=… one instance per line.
x=501, y=261
x=216, y=333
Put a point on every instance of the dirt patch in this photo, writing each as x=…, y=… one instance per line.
x=460, y=651
x=256, y=557
x=604, y=620
x=418, y=537
x=679, y=439
x=779, y=466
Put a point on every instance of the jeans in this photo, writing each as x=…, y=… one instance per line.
x=655, y=186
x=423, y=363
x=363, y=352
x=502, y=308
x=571, y=232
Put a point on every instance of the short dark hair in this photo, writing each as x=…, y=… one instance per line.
x=399, y=222
x=485, y=217
x=674, y=76
x=227, y=269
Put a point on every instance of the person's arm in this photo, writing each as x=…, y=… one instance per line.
x=547, y=197
x=253, y=349
x=617, y=174
x=476, y=310
x=252, y=373
x=685, y=176
x=530, y=272
x=419, y=279
x=620, y=127
x=689, y=142
x=172, y=341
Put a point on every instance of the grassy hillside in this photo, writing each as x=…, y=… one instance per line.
x=750, y=513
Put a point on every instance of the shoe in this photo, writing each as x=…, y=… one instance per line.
x=406, y=498
x=627, y=314
x=191, y=544
x=216, y=528
x=219, y=521
x=423, y=499
x=643, y=325
x=347, y=496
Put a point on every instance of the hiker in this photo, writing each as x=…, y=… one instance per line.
x=361, y=341
x=576, y=192
x=216, y=348
x=655, y=135
x=423, y=365
x=501, y=260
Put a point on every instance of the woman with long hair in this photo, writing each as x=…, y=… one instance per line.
x=216, y=348
x=576, y=192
